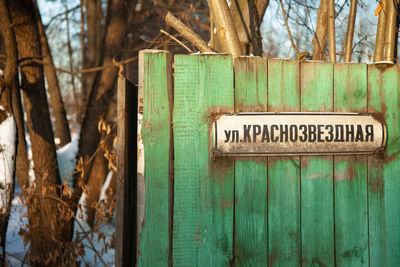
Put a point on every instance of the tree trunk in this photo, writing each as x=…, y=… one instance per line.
x=256, y=40
x=350, y=31
x=22, y=161
x=391, y=29
x=321, y=33
x=48, y=223
x=261, y=7
x=61, y=127
x=331, y=31
x=94, y=15
x=6, y=85
x=102, y=90
x=380, y=33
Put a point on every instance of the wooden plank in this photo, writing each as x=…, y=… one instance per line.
x=204, y=187
x=384, y=169
x=350, y=176
x=154, y=242
x=284, y=172
x=125, y=208
x=317, y=230
x=251, y=183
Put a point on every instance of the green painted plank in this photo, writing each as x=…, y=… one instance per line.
x=351, y=205
x=384, y=170
x=204, y=187
x=251, y=183
x=284, y=172
x=251, y=92
x=154, y=247
x=317, y=230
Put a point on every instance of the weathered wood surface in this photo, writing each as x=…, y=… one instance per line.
x=284, y=172
x=204, y=187
x=350, y=173
x=125, y=225
x=282, y=211
x=317, y=224
x=154, y=239
x=251, y=180
x=384, y=170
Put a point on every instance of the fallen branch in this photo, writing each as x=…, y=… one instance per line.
x=187, y=33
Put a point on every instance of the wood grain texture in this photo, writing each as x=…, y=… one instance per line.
x=350, y=176
x=284, y=172
x=154, y=242
x=384, y=169
x=204, y=187
x=251, y=183
x=125, y=225
x=317, y=222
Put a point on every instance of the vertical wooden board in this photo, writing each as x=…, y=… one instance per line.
x=204, y=187
x=251, y=92
x=284, y=172
x=384, y=169
x=251, y=183
x=125, y=222
x=156, y=133
x=317, y=230
x=350, y=176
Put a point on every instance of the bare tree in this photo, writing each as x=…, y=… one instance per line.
x=47, y=230
x=100, y=97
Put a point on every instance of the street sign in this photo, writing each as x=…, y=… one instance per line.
x=278, y=134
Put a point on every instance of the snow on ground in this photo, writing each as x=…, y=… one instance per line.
x=66, y=158
x=7, y=151
x=14, y=244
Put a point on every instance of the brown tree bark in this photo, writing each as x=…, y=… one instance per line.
x=321, y=33
x=350, y=31
x=256, y=40
x=6, y=85
x=49, y=226
x=380, y=33
x=102, y=92
x=226, y=29
x=61, y=127
x=331, y=31
x=11, y=80
x=94, y=16
x=261, y=7
x=391, y=29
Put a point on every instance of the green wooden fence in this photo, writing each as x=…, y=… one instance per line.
x=202, y=210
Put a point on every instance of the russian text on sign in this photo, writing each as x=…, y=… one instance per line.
x=298, y=133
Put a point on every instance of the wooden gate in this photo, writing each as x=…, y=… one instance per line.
x=202, y=210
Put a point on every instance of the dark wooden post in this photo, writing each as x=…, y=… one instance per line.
x=125, y=228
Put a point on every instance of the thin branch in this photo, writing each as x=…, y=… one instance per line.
x=91, y=244
x=126, y=61
x=176, y=40
x=61, y=14
x=288, y=29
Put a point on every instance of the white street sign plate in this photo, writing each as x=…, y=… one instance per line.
x=278, y=134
